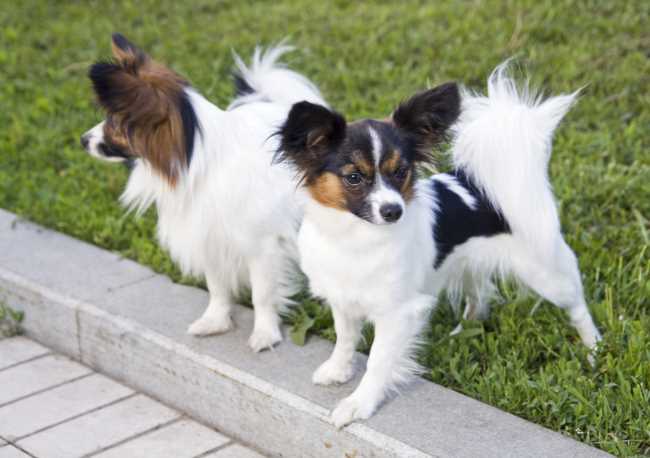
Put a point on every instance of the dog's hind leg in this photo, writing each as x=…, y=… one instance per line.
x=556, y=277
x=477, y=294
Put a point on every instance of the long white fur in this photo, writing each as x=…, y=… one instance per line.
x=233, y=217
x=272, y=80
x=503, y=141
x=385, y=273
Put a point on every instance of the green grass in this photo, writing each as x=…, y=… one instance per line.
x=366, y=58
x=10, y=320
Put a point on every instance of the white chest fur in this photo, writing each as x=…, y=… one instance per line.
x=366, y=268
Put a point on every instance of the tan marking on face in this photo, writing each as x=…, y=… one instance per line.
x=365, y=167
x=407, y=189
x=390, y=165
x=328, y=190
x=392, y=162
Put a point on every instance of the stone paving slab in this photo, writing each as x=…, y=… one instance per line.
x=98, y=414
x=39, y=374
x=12, y=452
x=234, y=451
x=58, y=404
x=95, y=431
x=18, y=349
x=183, y=439
x=136, y=333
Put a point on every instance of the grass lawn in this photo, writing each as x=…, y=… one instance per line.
x=366, y=58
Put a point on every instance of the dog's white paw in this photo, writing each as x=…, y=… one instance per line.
x=264, y=338
x=351, y=409
x=208, y=325
x=331, y=372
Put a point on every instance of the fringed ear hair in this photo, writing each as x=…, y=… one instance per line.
x=308, y=134
x=147, y=104
x=427, y=115
x=127, y=55
x=116, y=80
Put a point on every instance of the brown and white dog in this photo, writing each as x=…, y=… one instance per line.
x=224, y=212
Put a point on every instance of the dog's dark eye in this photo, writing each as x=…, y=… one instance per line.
x=353, y=179
x=401, y=173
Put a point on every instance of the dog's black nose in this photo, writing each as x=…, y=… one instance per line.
x=390, y=212
x=84, y=141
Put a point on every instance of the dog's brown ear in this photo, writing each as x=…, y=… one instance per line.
x=147, y=106
x=126, y=54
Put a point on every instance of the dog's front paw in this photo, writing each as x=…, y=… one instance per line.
x=208, y=325
x=351, y=409
x=331, y=372
x=264, y=338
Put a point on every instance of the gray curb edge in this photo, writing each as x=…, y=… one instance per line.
x=122, y=319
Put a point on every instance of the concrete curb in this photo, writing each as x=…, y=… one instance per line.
x=128, y=322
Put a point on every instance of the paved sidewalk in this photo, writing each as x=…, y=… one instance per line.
x=53, y=407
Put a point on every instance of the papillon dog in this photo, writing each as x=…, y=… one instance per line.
x=224, y=212
x=380, y=245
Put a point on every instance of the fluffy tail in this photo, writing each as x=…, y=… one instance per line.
x=268, y=80
x=503, y=143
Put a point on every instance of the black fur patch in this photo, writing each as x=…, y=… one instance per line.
x=102, y=74
x=190, y=126
x=456, y=223
x=308, y=137
x=110, y=150
x=427, y=115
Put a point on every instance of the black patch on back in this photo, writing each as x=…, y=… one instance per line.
x=190, y=126
x=456, y=223
x=241, y=85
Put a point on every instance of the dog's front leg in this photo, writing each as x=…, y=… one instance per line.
x=266, y=276
x=390, y=362
x=216, y=318
x=339, y=368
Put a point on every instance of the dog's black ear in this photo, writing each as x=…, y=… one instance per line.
x=427, y=115
x=309, y=132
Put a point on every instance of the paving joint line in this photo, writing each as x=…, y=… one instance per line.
x=77, y=325
x=113, y=289
x=11, y=443
x=216, y=449
x=33, y=358
x=43, y=390
x=79, y=415
x=135, y=436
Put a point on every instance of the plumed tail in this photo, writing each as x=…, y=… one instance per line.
x=502, y=141
x=268, y=80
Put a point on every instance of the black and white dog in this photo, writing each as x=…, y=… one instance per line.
x=380, y=245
